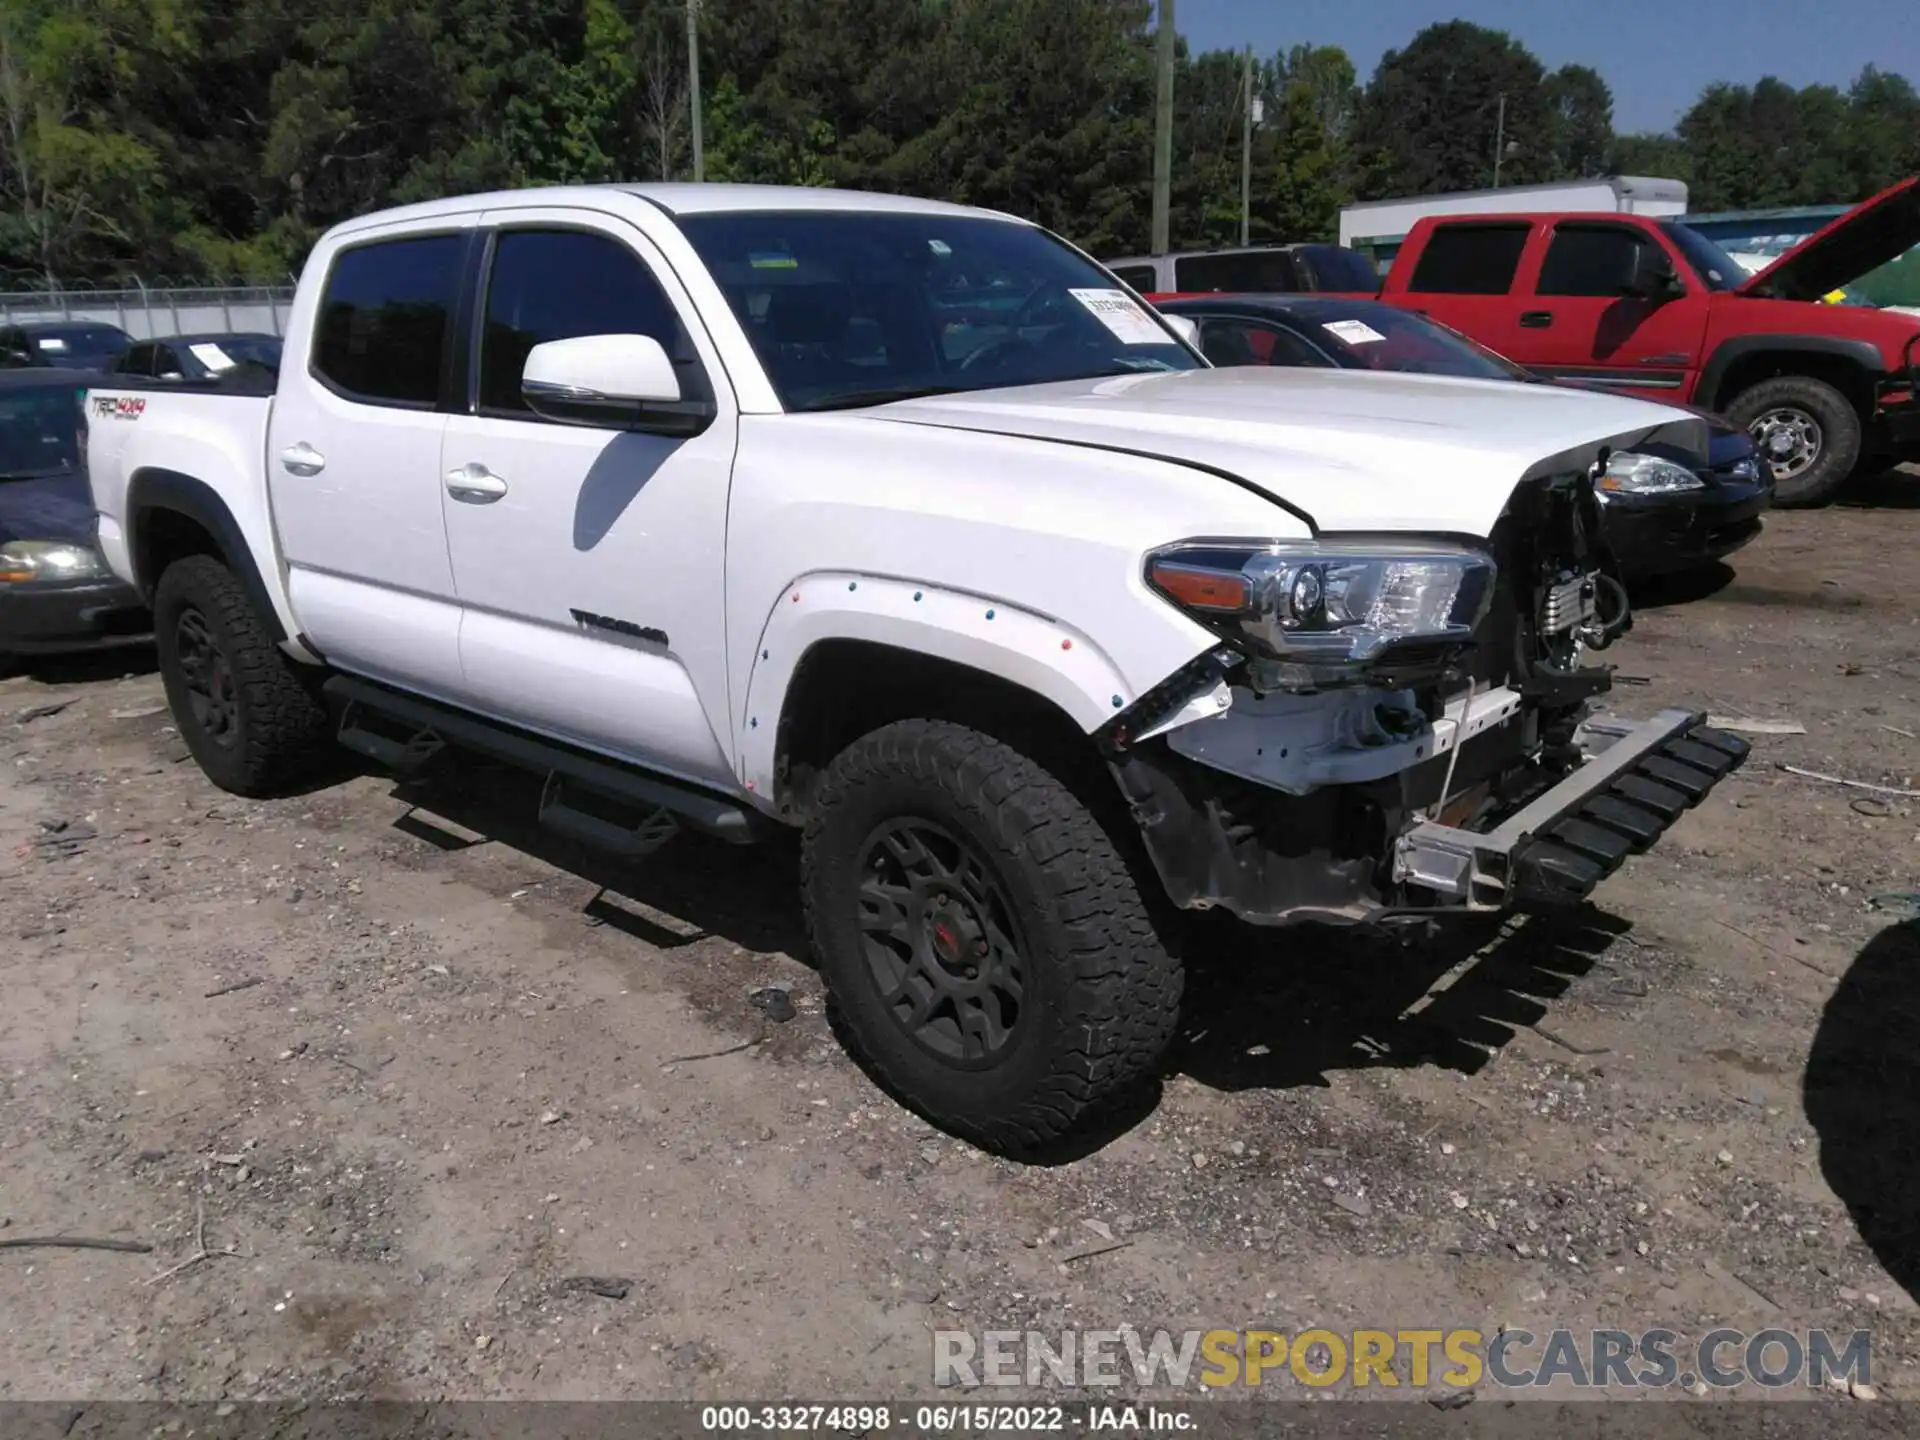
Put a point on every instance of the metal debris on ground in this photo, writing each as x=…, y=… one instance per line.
x=40, y=712
x=74, y=1242
x=235, y=988
x=1756, y=727
x=610, y=1287
x=1852, y=784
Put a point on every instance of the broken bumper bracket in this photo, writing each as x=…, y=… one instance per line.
x=1637, y=781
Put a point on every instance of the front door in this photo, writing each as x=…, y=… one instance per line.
x=590, y=561
x=1582, y=328
x=353, y=462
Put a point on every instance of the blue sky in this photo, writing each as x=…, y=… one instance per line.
x=1655, y=54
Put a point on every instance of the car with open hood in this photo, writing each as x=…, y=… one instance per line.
x=1652, y=307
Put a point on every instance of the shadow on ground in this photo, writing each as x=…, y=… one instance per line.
x=1863, y=1098
x=1264, y=1009
x=1279, y=1009
x=1895, y=488
x=86, y=668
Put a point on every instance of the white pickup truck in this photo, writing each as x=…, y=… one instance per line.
x=906, y=526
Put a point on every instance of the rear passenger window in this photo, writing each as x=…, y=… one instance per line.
x=559, y=284
x=1259, y=271
x=1589, y=260
x=384, y=319
x=1140, y=277
x=1469, y=260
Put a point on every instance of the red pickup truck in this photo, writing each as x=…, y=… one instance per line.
x=1654, y=308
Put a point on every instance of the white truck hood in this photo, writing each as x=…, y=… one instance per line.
x=1350, y=450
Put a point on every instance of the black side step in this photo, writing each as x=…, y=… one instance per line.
x=567, y=813
x=364, y=732
x=699, y=809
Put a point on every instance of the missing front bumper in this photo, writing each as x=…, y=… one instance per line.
x=1637, y=781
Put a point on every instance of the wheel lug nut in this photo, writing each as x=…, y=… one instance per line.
x=972, y=974
x=979, y=947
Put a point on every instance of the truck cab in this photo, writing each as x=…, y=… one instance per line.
x=1651, y=307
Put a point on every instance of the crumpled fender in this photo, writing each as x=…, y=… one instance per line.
x=1033, y=651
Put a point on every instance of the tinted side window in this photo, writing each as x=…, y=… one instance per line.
x=1140, y=277
x=1334, y=267
x=1469, y=260
x=383, y=325
x=1259, y=271
x=1589, y=260
x=1248, y=342
x=137, y=361
x=558, y=284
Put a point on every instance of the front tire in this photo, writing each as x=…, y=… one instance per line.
x=990, y=956
x=249, y=714
x=1806, y=430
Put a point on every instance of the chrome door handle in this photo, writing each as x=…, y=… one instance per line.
x=475, y=484
x=302, y=459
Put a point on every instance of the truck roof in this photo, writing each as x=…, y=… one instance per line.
x=675, y=199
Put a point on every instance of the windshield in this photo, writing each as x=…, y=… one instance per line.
x=80, y=347
x=39, y=431
x=1379, y=337
x=858, y=308
x=1719, y=270
x=220, y=353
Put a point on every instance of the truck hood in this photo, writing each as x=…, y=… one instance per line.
x=1865, y=238
x=1344, y=449
x=48, y=507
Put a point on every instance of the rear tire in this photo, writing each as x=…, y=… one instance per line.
x=248, y=713
x=987, y=948
x=1807, y=430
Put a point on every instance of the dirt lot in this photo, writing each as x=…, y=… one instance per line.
x=450, y=1084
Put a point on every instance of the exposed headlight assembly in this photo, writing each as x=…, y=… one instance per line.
x=23, y=562
x=1315, y=614
x=1631, y=474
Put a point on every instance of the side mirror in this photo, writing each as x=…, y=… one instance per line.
x=1186, y=327
x=623, y=381
x=1651, y=275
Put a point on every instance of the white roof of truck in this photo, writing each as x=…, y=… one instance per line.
x=677, y=200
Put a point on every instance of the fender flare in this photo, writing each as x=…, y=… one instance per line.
x=153, y=491
x=1863, y=353
x=1053, y=660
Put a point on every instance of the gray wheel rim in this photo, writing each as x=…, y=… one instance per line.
x=1790, y=438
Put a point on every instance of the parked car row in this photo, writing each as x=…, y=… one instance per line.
x=908, y=529
x=91, y=345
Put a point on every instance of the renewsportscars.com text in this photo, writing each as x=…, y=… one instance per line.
x=1460, y=1358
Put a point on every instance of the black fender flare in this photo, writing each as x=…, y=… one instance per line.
x=154, y=491
x=1863, y=353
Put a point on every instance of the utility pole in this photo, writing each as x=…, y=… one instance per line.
x=693, y=88
x=1499, y=140
x=1163, y=131
x=1246, y=149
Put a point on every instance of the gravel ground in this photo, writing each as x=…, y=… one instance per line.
x=385, y=1077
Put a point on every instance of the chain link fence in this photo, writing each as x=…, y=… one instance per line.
x=147, y=312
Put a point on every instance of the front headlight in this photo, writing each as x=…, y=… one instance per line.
x=1630, y=474
x=1324, y=613
x=25, y=561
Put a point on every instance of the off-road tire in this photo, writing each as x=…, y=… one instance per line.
x=1105, y=991
x=279, y=733
x=1840, y=427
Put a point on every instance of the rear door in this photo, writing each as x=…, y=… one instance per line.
x=353, y=458
x=590, y=562
x=1468, y=275
x=1580, y=326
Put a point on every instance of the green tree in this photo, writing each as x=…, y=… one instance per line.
x=1431, y=117
x=1580, y=114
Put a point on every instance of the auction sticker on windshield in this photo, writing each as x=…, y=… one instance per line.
x=1354, y=332
x=211, y=356
x=1121, y=315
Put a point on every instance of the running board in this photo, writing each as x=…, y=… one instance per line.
x=572, y=775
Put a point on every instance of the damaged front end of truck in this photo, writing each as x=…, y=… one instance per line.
x=1395, y=727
